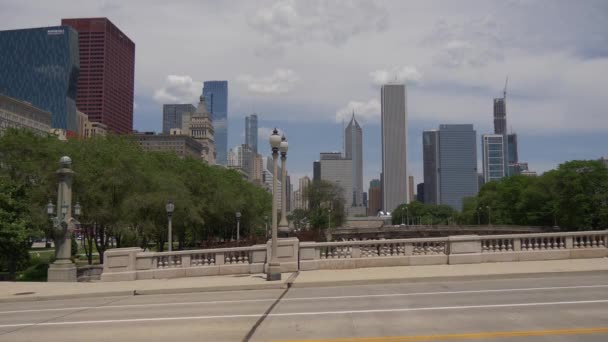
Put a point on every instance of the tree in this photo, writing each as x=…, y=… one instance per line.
x=326, y=203
x=16, y=230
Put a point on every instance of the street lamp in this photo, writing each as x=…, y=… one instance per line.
x=238, y=226
x=274, y=267
x=489, y=215
x=284, y=225
x=63, y=269
x=170, y=207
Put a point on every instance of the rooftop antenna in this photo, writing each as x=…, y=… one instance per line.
x=343, y=140
x=504, y=92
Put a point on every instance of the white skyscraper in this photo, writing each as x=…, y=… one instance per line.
x=394, y=146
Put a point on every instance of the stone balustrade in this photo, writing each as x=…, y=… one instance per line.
x=133, y=263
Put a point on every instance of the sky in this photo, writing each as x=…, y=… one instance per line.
x=304, y=66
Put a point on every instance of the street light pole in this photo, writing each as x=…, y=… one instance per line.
x=170, y=207
x=238, y=226
x=63, y=269
x=284, y=225
x=274, y=267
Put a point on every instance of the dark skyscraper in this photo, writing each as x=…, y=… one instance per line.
x=216, y=97
x=420, y=192
x=512, y=155
x=172, y=115
x=450, y=165
x=316, y=171
x=374, y=199
x=500, y=116
x=430, y=156
x=251, y=132
x=353, y=136
x=40, y=66
x=107, y=72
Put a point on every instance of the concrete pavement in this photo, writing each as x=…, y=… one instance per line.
x=23, y=291
x=573, y=306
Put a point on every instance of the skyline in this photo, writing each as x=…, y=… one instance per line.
x=454, y=58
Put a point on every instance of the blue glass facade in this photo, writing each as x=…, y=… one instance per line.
x=216, y=98
x=41, y=66
x=457, y=164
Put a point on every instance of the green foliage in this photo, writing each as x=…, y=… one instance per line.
x=326, y=205
x=123, y=192
x=574, y=196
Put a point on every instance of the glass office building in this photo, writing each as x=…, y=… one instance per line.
x=492, y=153
x=173, y=115
x=40, y=66
x=216, y=97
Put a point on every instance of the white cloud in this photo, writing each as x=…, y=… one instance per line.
x=405, y=74
x=472, y=43
x=365, y=112
x=331, y=21
x=279, y=82
x=179, y=89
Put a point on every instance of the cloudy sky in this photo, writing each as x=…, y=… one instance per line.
x=305, y=65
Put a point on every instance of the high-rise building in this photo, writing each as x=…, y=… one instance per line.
x=199, y=125
x=316, y=171
x=258, y=167
x=339, y=171
x=107, y=73
x=457, y=164
x=480, y=181
x=394, y=146
x=450, y=165
x=22, y=115
x=267, y=181
x=365, y=199
x=353, y=136
x=430, y=151
x=288, y=193
x=500, y=116
x=375, y=197
x=182, y=145
x=40, y=66
x=173, y=115
x=420, y=192
x=493, y=158
x=512, y=154
x=304, y=183
x=251, y=132
x=410, y=188
x=216, y=98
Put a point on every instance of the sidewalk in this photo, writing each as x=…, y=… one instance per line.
x=28, y=291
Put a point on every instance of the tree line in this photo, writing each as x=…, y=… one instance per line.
x=123, y=192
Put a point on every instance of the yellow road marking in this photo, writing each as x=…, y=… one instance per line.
x=466, y=336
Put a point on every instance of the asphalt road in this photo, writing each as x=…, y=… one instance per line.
x=564, y=308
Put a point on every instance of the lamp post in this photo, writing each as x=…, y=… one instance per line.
x=63, y=269
x=274, y=267
x=238, y=226
x=489, y=215
x=170, y=207
x=284, y=225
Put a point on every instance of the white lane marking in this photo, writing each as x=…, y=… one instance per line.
x=288, y=314
x=307, y=298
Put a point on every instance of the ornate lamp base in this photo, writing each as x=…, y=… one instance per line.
x=62, y=271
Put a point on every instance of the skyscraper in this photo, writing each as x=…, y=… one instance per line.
x=216, y=97
x=316, y=171
x=172, y=115
x=304, y=183
x=420, y=192
x=107, y=73
x=339, y=171
x=450, y=165
x=374, y=197
x=500, y=116
x=512, y=155
x=493, y=158
x=394, y=146
x=40, y=66
x=410, y=188
x=354, y=150
x=199, y=126
x=430, y=156
x=457, y=164
x=251, y=132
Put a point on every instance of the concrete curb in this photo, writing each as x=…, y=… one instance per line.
x=443, y=278
x=292, y=282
